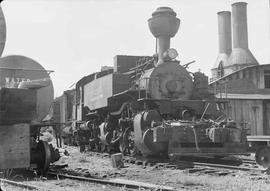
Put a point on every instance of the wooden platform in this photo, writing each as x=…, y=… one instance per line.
x=14, y=146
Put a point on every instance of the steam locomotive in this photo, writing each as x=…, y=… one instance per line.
x=153, y=106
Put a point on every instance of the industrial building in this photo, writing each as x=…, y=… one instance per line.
x=237, y=75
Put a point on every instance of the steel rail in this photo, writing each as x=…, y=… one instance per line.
x=20, y=184
x=248, y=161
x=207, y=164
x=115, y=182
x=226, y=166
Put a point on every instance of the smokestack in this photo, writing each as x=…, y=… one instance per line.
x=225, y=43
x=163, y=25
x=241, y=54
x=240, y=34
x=224, y=32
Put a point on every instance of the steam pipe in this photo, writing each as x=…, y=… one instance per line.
x=163, y=45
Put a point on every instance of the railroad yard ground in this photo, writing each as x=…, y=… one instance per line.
x=99, y=165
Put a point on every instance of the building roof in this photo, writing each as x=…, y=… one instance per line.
x=226, y=76
x=243, y=96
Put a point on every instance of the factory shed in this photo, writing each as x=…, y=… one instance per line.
x=248, y=92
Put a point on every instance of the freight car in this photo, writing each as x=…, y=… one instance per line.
x=64, y=118
x=154, y=106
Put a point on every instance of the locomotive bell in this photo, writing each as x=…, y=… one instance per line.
x=163, y=25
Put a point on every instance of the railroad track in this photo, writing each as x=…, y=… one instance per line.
x=114, y=182
x=249, y=161
x=214, y=167
x=19, y=184
x=197, y=164
x=221, y=169
x=191, y=166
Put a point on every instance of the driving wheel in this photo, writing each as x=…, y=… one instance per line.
x=127, y=143
x=44, y=157
x=262, y=157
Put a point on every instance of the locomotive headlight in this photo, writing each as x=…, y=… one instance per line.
x=170, y=54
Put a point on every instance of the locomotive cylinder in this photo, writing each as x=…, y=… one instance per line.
x=163, y=25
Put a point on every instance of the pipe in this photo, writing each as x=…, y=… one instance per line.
x=239, y=18
x=195, y=139
x=224, y=32
x=163, y=45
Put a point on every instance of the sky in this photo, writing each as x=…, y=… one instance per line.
x=76, y=37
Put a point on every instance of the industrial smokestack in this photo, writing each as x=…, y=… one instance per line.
x=241, y=54
x=225, y=43
x=224, y=32
x=164, y=24
x=240, y=32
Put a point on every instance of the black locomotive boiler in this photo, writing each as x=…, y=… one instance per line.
x=154, y=106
